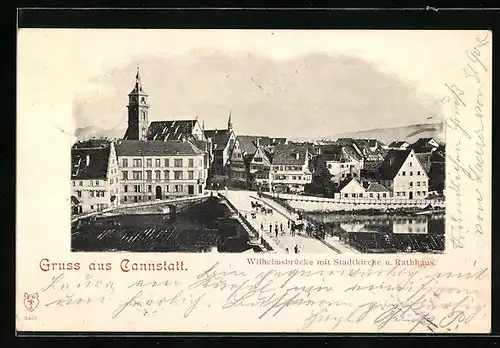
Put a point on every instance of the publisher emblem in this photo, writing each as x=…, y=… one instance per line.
x=31, y=301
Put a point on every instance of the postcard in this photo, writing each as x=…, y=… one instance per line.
x=272, y=181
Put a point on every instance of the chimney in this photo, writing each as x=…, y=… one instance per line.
x=215, y=132
x=257, y=143
x=87, y=160
x=297, y=155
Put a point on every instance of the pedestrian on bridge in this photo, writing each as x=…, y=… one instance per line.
x=281, y=227
x=261, y=225
x=270, y=228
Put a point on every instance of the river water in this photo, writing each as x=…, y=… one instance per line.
x=386, y=233
x=200, y=227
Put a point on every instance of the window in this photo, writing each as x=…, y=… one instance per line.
x=148, y=175
x=411, y=184
x=150, y=188
x=137, y=175
x=92, y=207
x=418, y=183
x=124, y=175
x=384, y=195
x=157, y=162
x=137, y=163
x=371, y=195
x=157, y=175
x=125, y=188
x=423, y=183
x=166, y=173
x=125, y=163
x=341, y=166
x=329, y=166
x=403, y=193
x=149, y=162
x=346, y=195
x=190, y=175
x=361, y=195
x=167, y=162
x=353, y=195
x=178, y=162
x=411, y=173
x=403, y=173
x=91, y=193
x=137, y=188
x=190, y=162
x=74, y=183
x=398, y=194
x=80, y=183
x=125, y=198
x=178, y=188
x=177, y=175
x=418, y=172
x=79, y=194
x=167, y=188
x=411, y=163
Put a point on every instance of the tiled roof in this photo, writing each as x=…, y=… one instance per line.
x=249, y=143
x=346, y=182
x=397, y=143
x=422, y=145
x=170, y=130
x=92, y=143
x=89, y=163
x=375, y=187
x=202, y=145
x=351, y=152
x=220, y=138
x=155, y=147
x=287, y=154
x=331, y=152
x=392, y=163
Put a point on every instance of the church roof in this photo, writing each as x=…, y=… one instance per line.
x=170, y=130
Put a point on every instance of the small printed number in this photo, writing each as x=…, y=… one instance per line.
x=30, y=317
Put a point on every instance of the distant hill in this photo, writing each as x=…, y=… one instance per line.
x=405, y=133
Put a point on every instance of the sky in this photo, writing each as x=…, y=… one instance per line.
x=298, y=84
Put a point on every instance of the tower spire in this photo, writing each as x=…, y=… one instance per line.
x=229, y=123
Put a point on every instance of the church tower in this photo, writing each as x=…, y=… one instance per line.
x=138, y=106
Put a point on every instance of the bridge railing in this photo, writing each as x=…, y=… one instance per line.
x=139, y=204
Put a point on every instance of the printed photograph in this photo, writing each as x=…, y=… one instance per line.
x=292, y=142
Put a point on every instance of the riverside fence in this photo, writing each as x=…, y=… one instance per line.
x=311, y=203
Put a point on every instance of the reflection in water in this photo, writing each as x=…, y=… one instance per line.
x=422, y=233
